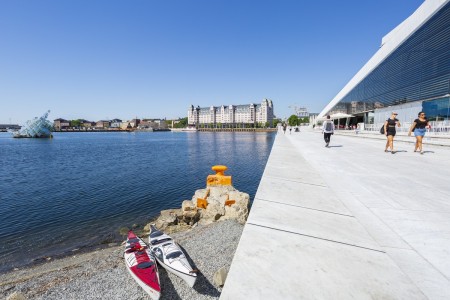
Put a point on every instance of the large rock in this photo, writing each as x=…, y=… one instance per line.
x=168, y=217
x=199, y=194
x=191, y=216
x=187, y=205
x=214, y=211
x=220, y=193
x=220, y=276
x=169, y=213
x=237, y=213
x=16, y=296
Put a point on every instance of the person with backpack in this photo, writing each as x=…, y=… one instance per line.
x=327, y=130
x=389, y=131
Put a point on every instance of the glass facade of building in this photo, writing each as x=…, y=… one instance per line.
x=437, y=110
x=418, y=70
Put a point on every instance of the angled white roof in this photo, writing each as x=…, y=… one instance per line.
x=389, y=44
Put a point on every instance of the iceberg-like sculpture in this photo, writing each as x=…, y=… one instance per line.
x=35, y=128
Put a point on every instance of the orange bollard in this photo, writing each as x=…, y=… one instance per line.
x=219, y=178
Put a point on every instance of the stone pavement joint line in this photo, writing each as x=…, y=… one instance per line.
x=296, y=181
x=315, y=237
x=330, y=212
x=313, y=202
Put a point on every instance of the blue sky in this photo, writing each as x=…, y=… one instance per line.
x=152, y=59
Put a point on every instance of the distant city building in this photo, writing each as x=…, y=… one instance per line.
x=115, y=123
x=302, y=112
x=159, y=123
x=59, y=124
x=313, y=118
x=134, y=123
x=232, y=114
x=5, y=127
x=125, y=125
x=153, y=124
x=88, y=124
x=102, y=124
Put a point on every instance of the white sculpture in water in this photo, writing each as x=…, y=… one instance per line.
x=35, y=128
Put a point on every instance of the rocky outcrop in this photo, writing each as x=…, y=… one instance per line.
x=218, y=201
x=168, y=217
x=223, y=203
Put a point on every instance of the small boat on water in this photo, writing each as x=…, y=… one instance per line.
x=186, y=129
x=171, y=256
x=142, y=265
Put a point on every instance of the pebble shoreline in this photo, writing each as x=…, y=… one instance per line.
x=102, y=274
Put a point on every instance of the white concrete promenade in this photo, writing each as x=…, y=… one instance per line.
x=346, y=222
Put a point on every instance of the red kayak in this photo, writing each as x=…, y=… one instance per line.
x=142, y=265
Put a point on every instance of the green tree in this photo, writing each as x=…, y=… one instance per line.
x=304, y=120
x=293, y=120
x=182, y=123
x=75, y=123
x=275, y=122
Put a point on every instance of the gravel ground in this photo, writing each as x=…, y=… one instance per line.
x=102, y=274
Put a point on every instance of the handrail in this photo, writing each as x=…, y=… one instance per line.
x=437, y=127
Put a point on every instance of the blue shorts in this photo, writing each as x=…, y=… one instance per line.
x=419, y=131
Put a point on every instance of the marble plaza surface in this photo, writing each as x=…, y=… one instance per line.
x=346, y=222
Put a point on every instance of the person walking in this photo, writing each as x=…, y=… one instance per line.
x=389, y=130
x=419, y=127
x=290, y=129
x=284, y=128
x=327, y=130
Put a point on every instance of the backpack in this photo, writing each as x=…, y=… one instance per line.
x=329, y=126
x=382, y=127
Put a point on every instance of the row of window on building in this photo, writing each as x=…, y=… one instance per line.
x=232, y=114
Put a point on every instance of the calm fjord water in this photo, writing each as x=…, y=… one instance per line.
x=79, y=188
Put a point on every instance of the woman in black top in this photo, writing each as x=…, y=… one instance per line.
x=389, y=129
x=419, y=126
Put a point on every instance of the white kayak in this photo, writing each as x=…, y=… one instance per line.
x=171, y=256
x=142, y=265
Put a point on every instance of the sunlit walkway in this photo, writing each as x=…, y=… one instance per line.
x=346, y=222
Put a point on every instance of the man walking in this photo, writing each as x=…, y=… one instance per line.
x=328, y=130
